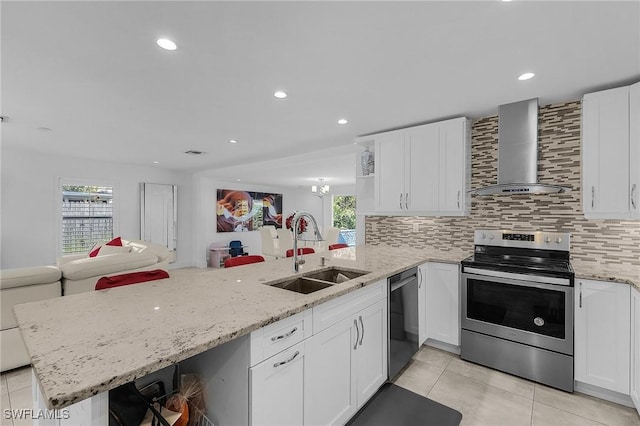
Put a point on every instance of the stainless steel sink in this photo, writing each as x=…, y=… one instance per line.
x=335, y=275
x=314, y=281
x=302, y=285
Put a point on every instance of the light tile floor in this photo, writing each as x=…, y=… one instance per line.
x=485, y=397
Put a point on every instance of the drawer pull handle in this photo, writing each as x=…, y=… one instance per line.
x=633, y=201
x=362, y=325
x=401, y=201
x=278, y=364
x=406, y=200
x=355, y=324
x=284, y=336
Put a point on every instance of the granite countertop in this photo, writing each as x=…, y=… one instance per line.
x=88, y=343
x=607, y=271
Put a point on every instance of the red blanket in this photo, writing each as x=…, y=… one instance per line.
x=130, y=278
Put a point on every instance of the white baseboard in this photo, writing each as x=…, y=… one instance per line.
x=606, y=394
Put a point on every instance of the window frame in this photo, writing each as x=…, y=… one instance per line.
x=63, y=181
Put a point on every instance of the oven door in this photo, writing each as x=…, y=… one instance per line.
x=515, y=308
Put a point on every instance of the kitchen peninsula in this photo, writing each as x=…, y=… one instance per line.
x=86, y=344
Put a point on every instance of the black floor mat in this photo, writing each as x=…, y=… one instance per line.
x=396, y=406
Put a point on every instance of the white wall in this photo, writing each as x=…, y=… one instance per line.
x=205, y=232
x=30, y=203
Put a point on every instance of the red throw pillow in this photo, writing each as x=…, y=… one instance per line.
x=117, y=241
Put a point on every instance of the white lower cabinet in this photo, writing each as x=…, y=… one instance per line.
x=277, y=387
x=345, y=365
x=442, y=304
x=602, y=330
x=635, y=348
x=422, y=303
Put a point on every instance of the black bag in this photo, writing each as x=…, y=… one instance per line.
x=127, y=407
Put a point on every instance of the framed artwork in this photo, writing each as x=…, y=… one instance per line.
x=240, y=211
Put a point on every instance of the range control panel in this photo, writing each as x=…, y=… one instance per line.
x=518, y=237
x=535, y=240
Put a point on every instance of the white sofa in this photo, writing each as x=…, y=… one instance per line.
x=80, y=272
x=22, y=285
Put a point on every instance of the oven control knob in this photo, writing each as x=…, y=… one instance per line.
x=547, y=239
x=558, y=240
x=484, y=235
x=491, y=237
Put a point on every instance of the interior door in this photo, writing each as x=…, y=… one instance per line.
x=158, y=214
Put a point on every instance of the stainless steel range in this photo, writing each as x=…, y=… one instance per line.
x=517, y=305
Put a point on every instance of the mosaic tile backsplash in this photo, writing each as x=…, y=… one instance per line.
x=604, y=241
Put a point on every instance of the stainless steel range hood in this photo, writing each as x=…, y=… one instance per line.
x=518, y=152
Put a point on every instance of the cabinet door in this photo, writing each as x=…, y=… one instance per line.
x=634, y=150
x=329, y=391
x=443, y=319
x=390, y=172
x=371, y=351
x=276, y=389
x=605, y=154
x=422, y=304
x=635, y=348
x=453, y=166
x=602, y=331
x=422, y=152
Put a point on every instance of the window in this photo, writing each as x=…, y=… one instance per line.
x=344, y=217
x=87, y=217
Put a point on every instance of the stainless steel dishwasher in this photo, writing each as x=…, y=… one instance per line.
x=403, y=319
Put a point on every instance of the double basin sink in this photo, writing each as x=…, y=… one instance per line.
x=317, y=280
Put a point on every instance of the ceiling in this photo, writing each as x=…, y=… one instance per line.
x=91, y=72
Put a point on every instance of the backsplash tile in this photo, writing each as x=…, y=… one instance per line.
x=604, y=241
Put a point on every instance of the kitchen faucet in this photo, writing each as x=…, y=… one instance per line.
x=294, y=227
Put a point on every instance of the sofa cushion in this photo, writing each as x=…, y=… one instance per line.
x=159, y=250
x=27, y=293
x=104, y=250
x=19, y=277
x=106, y=265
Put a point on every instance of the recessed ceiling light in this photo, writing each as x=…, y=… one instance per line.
x=237, y=180
x=166, y=44
x=233, y=141
x=280, y=94
x=506, y=0
x=526, y=76
x=156, y=162
x=342, y=121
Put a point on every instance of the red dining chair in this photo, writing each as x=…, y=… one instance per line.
x=130, y=278
x=338, y=246
x=243, y=260
x=301, y=251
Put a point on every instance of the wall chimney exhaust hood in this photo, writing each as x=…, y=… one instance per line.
x=518, y=152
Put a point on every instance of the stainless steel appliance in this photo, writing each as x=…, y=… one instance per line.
x=518, y=152
x=517, y=305
x=403, y=320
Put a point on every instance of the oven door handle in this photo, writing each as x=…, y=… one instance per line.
x=488, y=273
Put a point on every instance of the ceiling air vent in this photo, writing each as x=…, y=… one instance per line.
x=194, y=152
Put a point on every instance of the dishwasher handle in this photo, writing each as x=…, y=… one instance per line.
x=395, y=286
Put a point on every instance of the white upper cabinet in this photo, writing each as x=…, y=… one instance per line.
x=611, y=153
x=391, y=172
x=423, y=169
x=634, y=150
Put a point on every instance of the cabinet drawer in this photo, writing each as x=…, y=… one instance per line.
x=343, y=307
x=276, y=337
